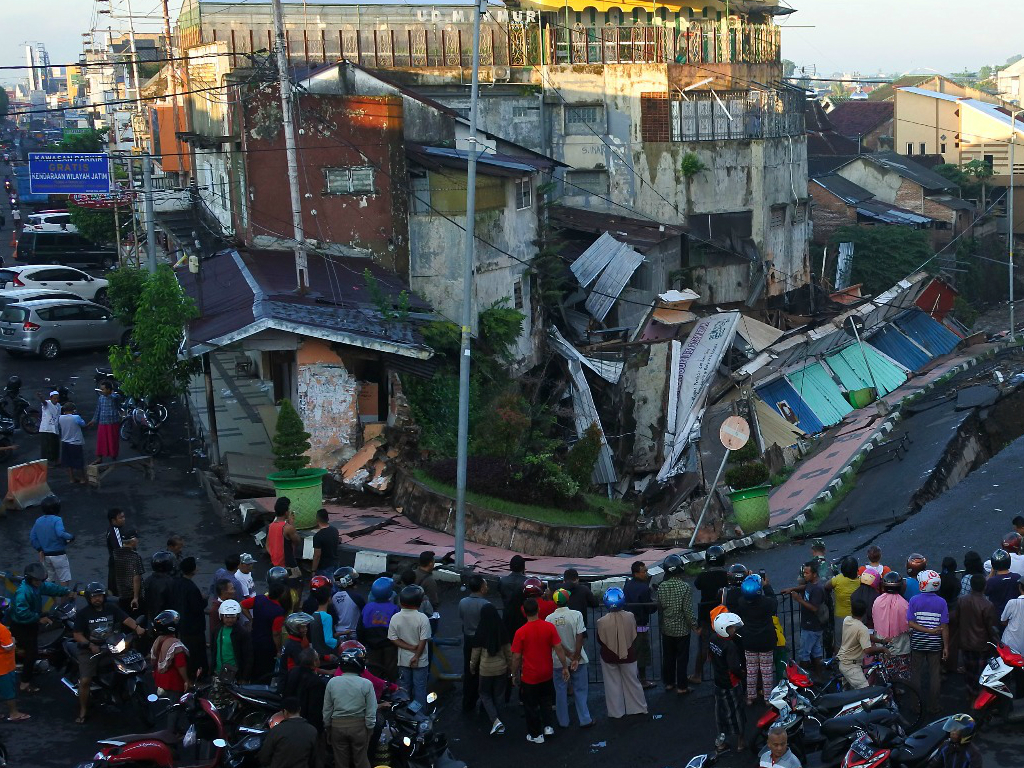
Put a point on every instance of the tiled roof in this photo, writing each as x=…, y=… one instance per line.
x=859, y=118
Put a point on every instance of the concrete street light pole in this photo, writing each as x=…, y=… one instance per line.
x=467, y=300
x=1009, y=228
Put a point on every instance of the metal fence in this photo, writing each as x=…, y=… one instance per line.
x=711, y=116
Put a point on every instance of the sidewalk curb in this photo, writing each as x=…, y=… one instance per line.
x=841, y=478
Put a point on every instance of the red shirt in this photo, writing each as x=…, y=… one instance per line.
x=171, y=680
x=544, y=608
x=534, y=641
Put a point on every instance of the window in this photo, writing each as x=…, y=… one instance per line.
x=924, y=148
x=524, y=193
x=517, y=294
x=910, y=148
x=778, y=217
x=518, y=111
x=420, y=203
x=357, y=180
x=583, y=115
x=586, y=183
x=942, y=148
x=990, y=160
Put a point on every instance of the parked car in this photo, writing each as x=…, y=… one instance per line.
x=49, y=221
x=47, y=327
x=62, y=248
x=54, y=277
x=18, y=295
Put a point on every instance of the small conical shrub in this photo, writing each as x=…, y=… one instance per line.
x=291, y=440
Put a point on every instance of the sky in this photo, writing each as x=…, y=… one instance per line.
x=832, y=35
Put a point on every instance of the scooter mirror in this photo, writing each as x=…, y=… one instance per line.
x=431, y=697
x=219, y=743
x=152, y=698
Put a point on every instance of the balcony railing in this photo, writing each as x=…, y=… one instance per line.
x=704, y=116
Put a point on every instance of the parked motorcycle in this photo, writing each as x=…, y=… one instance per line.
x=409, y=732
x=15, y=407
x=248, y=706
x=141, y=431
x=194, y=737
x=120, y=680
x=996, y=698
x=881, y=747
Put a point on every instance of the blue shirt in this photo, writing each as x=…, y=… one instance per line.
x=106, y=410
x=48, y=535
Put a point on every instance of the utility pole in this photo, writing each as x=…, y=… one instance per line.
x=1009, y=230
x=147, y=190
x=301, y=268
x=467, y=301
x=135, y=72
x=172, y=84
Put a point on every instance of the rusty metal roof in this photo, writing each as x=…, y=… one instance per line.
x=641, y=234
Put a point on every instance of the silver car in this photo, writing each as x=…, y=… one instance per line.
x=47, y=327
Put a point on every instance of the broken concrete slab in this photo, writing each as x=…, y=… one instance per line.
x=980, y=396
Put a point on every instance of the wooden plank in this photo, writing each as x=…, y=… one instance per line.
x=94, y=473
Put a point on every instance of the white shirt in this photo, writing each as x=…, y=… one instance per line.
x=71, y=428
x=1013, y=635
x=569, y=624
x=248, y=584
x=410, y=626
x=48, y=417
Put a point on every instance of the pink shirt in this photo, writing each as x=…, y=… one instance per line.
x=379, y=686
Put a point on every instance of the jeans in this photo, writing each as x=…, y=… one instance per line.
x=415, y=683
x=810, y=645
x=579, y=696
x=470, y=681
x=675, y=656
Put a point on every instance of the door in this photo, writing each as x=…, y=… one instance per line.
x=72, y=280
x=69, y=325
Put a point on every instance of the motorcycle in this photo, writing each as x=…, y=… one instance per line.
x=194, y=737
x=15, y=407
x=813, y=727
x=409, y=732
x=142, y=432
x=7, y=440
x=248, y=705
x=996, y=698
x=881, y=747
x=120, y=680
x=50, y=653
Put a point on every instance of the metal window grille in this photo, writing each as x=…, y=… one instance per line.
x=524, y=193
x=357, y=180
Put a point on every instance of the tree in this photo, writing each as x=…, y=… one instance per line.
x=94, y=224
x=788, y=68
x=149, y=366
x=5, y=103
x=124, y=290
x=970, y=177
x=981, y=171
x=90, y=141
x=884, y=255
x=291, y=440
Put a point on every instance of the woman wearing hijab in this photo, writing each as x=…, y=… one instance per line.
x=492, y=661
x=889, y=615
x=616, y=631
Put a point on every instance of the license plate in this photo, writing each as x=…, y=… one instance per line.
x=993, y=663
x=131, y=658
x=8, y=331
x=864, y=749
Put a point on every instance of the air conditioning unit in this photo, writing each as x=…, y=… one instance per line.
x=499, y=74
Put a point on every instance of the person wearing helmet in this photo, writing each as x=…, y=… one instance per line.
x=409, y=630
x=350, y=712
x=297, y=626
x=49, y=538
x=675, y=606
x=94, y=621
x=168, y=656
x=26, y=616
x=858, y=642
x=231, y=646
x=572, y=628
x=889, y=618
x=915, y=564
x=727, y=676
x=960, y=751
x=1011, y=545
x=928, y=617
x=267, y=621
x=491, y=661
x=158, y=588
x=616, y=644
x=381, y=653
x=533, y=670
x=1001, y=586
x=710, y=583
x=640, y=602
x=756, y=608
x=326, y=545
x=538, y=590
x=347, y=602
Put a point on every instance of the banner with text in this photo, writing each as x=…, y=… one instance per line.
x=694, y=363
x=66, y=173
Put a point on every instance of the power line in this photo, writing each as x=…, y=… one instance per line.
x=127, y=60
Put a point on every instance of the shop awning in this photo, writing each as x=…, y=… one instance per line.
x=785, y=401
x=851, y=363
x=821, y=393
x=894, y=343
x=926, y=331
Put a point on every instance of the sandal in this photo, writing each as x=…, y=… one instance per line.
x=81, y=719
x=22, y=717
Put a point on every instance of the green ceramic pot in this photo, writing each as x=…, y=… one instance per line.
x=305, y=490
x=750, y=506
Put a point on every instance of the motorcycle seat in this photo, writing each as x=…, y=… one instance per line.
x=165, y=736
x=844, y=726
x=842, y=698
x=920, y=744
x=259, y=691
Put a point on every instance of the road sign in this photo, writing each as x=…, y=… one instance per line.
x=67, y=173
x=734, y=433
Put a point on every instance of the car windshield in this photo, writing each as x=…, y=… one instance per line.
x=13, y=314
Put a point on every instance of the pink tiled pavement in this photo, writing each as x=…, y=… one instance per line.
x=814, y=475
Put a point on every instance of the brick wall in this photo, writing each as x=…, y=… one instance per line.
x=910, y=196
x=654, y=117
x=828, y=213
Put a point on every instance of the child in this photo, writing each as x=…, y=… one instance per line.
x=9, y=678
x=727, y=668
x=71, y=452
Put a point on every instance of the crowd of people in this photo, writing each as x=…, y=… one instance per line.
x=537, y=637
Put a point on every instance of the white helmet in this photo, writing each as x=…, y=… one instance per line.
x=725, y=620
x=928, y=581
x=229, y=608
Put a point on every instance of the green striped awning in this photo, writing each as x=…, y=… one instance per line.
x=821, y=393
x=849, y=366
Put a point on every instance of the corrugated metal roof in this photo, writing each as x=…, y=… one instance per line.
x=930, y=334
x=820, y=393
x=642, y=234
x=611, y=282
x=890, y=214
x=780, y=394
x=609, y=370
x=590, y=263
x=843, y=188
x=901, y=348
x=484, y=158
x=850, y=365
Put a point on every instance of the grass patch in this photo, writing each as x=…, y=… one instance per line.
x=603, y=511
x=781, y=476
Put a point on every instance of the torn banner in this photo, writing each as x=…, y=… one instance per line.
x=694, y=363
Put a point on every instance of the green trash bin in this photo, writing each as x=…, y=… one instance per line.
x=305, y=491
x=750, y=505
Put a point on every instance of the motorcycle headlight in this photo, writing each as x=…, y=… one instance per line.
x=407, y=741
x=120, y=646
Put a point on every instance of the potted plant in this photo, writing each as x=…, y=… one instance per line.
x=295, y=479
x=749, y=483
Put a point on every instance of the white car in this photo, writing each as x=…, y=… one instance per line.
x=54, y=277
x=50, y=221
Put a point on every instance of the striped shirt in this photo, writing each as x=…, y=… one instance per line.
x=930, y=611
